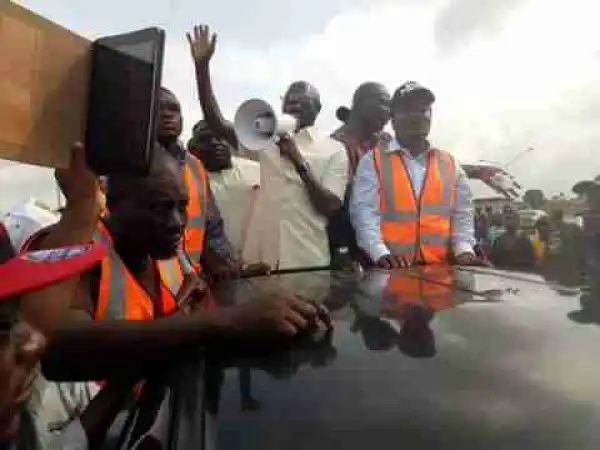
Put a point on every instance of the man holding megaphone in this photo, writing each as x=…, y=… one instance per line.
x=303, y=174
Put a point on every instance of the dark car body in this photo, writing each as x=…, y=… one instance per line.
x=507, y=361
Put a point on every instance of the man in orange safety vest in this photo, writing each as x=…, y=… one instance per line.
x=411, y=203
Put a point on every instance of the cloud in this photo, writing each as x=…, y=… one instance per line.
x=507, y=75
x=523, y=74
x=459, y=20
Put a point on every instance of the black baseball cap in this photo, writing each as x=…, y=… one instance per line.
x=411, y=91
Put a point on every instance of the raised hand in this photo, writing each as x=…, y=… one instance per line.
x=79, y=184
x=202, y=43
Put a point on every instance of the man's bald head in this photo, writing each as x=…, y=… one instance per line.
x=149, y=212
x=367, y=90
x=303, y=101
x=305, y=87
x=371, y=107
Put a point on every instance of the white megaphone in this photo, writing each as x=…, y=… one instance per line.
x=258, y=127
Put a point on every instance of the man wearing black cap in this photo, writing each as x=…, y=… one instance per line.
x=411, y=202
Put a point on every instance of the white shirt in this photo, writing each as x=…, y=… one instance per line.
x=55, y=407
x=365, y=212
x=72, y=438
x=285, y=230
x=235, y=192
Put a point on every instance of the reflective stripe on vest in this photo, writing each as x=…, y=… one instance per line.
x=434, y=288
x=121, y=297
x=196, y=182
x=416, y=229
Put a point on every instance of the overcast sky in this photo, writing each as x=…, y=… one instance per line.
x=508, y=74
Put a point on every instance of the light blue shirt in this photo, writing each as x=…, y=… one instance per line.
x=365, y=212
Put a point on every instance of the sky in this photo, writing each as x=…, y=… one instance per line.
x=508, y=75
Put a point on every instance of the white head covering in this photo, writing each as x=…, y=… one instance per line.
x=26, y=219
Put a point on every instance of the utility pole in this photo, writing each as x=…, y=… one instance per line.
x=518, y=156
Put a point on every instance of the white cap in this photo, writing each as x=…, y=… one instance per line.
x=26, y=219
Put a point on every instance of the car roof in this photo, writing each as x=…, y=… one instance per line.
x=511, y=361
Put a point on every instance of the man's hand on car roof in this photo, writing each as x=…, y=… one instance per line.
x=276, y=313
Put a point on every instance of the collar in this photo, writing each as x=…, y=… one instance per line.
x=308, y=133
x=395, y=146
x=341, y=134
x=344, y=135
x=178, y=151
x=306, y=137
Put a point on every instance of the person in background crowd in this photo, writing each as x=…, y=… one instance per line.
x=496, y=227
x=205, y=240
x=546, y=242
x=482, y=226
x=234, y=181
x=362, y=130
x=559, y=248
x=590, y=191
x=302, y=185
x=512, y=250
x=410, y=202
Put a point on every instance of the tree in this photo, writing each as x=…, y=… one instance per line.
x=534, y=198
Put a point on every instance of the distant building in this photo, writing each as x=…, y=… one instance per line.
x=484, y=196
x=497, y=204
x=570, y=207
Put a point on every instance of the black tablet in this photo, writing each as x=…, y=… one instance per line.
x=125, y=80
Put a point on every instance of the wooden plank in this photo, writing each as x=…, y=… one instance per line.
x=44, y=77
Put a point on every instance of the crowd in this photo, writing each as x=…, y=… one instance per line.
x=546, y=243
x=127, y=267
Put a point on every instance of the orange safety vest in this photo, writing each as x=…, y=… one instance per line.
x=196, y=181
x=121, y=297
x=418, y=230
x=432, y=286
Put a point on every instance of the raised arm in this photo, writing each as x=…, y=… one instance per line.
x=77, y=225
x=86, y=349
x=202, y=46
